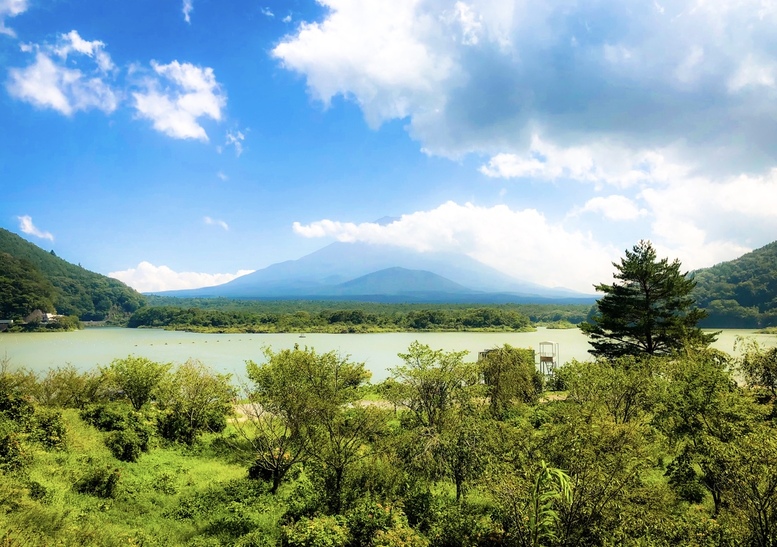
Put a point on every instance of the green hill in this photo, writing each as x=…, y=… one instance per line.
x=741, y=293
x=31, y=278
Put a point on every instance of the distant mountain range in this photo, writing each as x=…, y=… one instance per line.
x=361, y=271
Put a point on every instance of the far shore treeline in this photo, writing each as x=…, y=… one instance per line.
x=221, y=315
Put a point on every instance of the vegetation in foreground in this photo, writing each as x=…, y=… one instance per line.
x=633, y=451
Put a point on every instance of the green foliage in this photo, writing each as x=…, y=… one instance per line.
x=650, y=310
x=31, y=278
x=14, y=456
x=510, y=376
x=194, y=400
x=621, y=389
x=126, y=445
x=741, y=293
x=434, y=382
x=639, y=451
x=322, y=531
x=301, y=414
x=98, y=481
x=23, y=288
x=219, y=315
x=49, y=430
x=136, y=377
x=67, y=387
x=759, y=367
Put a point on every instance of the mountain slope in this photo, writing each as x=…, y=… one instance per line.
x=319, y=272
x=398, y=281
x=742, y=292
x=35, y=279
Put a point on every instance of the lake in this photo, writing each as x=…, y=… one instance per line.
x=88, y=348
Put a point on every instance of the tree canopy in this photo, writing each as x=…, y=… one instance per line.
x=649, y=309
x=31, y=278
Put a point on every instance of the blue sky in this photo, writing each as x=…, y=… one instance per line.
x=178, y=143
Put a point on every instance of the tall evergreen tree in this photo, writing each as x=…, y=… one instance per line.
x=647, y=310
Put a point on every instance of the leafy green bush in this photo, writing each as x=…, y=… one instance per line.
x=323, y=531
x=107, y=417
x=37, y=490
x=49, y=430
x=460, y=525
x=99, y=481
x=365, y=520
x=13, y=455
x=303, y=500
x=232, y=522
x=125, y=445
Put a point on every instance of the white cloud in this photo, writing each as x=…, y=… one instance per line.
x=614, y=208
x=752, y=73
x=177, y=99
x=11, y=8
x=27, y=227
x=267, y=12
x=710, y=221
x=149, y=278
x=215, y=222
x=378, y=53
x=222, y=176
x=49, y=83
x=236, y=138
x=72, y=41
x=287, y=19
x=187, y=8
x=521, y=243
x=484, y=75
x=594, y=162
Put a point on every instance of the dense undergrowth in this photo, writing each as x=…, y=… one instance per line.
x=641, y=452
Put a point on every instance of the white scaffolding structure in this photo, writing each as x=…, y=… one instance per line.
x=549, y=357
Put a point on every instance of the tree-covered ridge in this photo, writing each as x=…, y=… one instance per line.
x=31, y=278
x=740, y=293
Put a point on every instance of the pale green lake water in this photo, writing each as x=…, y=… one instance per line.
x=228, y=352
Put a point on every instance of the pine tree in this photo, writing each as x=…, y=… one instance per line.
x=647, y=310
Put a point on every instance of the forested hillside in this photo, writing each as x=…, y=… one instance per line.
x=31, y=278
x=741, y=293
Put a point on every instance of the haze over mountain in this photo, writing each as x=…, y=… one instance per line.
x=362, y=269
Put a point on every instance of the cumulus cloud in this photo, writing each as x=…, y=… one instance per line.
x=215, y=222
x=600, y=162
x=178, y=97
x=72, y=42
x=26, y=226
x=49, y=83
x=484, y=75
x=381, y=54
x=187, y=9
x=521, y=243
x=11, y=8
x=147, y=277
x=267, y=12
x=614, y=208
